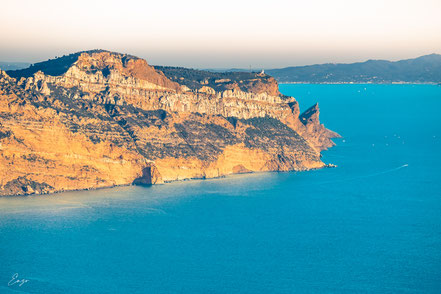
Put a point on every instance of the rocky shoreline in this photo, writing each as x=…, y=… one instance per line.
x=36, y=193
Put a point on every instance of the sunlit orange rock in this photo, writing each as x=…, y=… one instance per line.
x=100, y=119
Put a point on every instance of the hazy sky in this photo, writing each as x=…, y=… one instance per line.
x=221, y=34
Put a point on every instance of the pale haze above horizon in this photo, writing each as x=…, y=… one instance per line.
x=223, y=34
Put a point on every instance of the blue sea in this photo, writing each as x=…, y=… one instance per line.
x=370, y=225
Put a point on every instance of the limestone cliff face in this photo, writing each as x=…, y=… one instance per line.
x=97, y=119
x=315, y=132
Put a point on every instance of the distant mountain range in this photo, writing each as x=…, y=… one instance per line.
x=424, y=69
x=13, y=65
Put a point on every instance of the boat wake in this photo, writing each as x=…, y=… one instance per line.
x=367, y=176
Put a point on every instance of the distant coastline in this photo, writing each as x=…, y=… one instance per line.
x=421, y=70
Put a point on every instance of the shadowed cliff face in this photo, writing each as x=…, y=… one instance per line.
x=97, y=119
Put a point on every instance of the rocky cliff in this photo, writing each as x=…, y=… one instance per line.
x=98, y=119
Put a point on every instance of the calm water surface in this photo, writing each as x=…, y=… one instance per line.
x=371, y=225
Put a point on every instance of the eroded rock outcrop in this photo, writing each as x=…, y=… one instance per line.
x=316, y=132
x=97, y=119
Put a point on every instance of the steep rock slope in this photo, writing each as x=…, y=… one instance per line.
x=97, y=119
